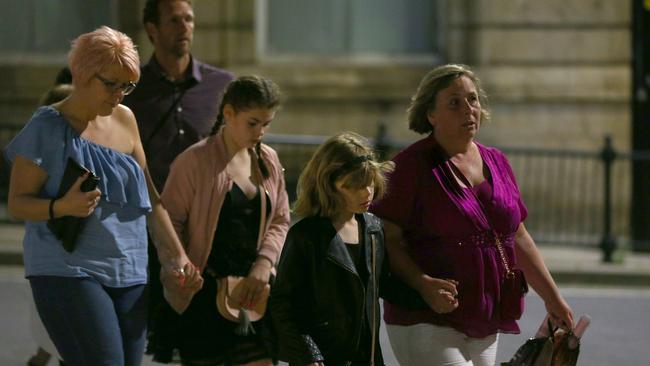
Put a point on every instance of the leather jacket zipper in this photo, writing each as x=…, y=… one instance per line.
x=375, y=301
x=363, y=306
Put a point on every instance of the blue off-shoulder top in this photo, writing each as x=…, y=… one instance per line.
x=112, y=244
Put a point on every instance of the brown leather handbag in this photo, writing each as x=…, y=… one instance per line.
x=228, y=292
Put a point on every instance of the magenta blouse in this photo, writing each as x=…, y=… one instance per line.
x=449, y=233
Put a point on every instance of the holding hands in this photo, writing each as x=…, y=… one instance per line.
x=181, y=280
x=187, y=279
x=440, y=294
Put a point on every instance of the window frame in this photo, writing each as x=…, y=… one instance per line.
x=36, y=57
x=265, y=57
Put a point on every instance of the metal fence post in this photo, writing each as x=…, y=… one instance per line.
x=608, y=242
x=382, y=143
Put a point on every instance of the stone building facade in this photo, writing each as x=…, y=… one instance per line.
x=557, y=71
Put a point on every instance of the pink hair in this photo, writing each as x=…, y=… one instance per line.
x=92, y=52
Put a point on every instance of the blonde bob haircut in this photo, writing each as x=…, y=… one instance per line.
x=424, y=100
x=346, y=156
x=92, y=52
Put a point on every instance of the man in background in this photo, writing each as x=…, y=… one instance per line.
x=175, y=104
x=178, y=96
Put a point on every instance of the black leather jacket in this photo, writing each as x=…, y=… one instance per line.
x=318, y=299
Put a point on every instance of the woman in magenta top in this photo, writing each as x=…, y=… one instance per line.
x=448, y=198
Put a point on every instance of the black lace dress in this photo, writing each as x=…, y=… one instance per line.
x=201, y=336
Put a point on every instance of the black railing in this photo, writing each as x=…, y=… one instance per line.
x=574, y=197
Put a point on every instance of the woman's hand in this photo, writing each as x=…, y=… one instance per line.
x=255, y=282
x=185, y=280
x=77, y=203
x=180, y=284
x=539, y=278
x=560, y=313
x=440, y=295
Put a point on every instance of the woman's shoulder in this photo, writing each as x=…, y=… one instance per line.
x=312, y=234
x=125, y=118
x=373, y=220
x=46, y=111
x=198, y=151
x=310, y=225
x=412, y=161
x=40, y=137
x=269, y=153
x=206, y=152
x=418, y=152
x=45, y=126
x=492, y=152
x=47, y=117
x=489, y=149
x=203, y=147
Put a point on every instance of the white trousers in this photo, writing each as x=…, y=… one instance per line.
x=432, y=345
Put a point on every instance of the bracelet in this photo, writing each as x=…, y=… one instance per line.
x=268, y=260
x=51, y=209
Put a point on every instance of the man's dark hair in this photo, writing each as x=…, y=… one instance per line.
x=151, y=12
x=63, y=77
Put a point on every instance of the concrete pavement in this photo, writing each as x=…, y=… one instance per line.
x=569, y=265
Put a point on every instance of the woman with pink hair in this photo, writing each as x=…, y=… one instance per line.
x=92, y=296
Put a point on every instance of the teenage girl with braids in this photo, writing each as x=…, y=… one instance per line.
x=213, y=197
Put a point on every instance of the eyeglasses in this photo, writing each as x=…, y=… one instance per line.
x=113, y=86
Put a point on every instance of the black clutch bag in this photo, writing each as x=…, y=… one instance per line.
x=67, y=228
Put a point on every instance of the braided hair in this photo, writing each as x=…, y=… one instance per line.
x=245, y=93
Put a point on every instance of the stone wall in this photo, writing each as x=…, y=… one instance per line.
x=557, y=71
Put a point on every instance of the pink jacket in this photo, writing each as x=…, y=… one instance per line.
x=194, y=193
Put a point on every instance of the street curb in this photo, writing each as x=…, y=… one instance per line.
x=11, y=259
x=599, y=278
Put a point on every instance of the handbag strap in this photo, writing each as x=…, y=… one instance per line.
x=375, y=296
x=497, y=241
x=260, y=234
x=163, y=118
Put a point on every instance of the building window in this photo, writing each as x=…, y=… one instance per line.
x=43, y=29
x=385, y=30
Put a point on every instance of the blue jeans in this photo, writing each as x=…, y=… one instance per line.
x=91, y=324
